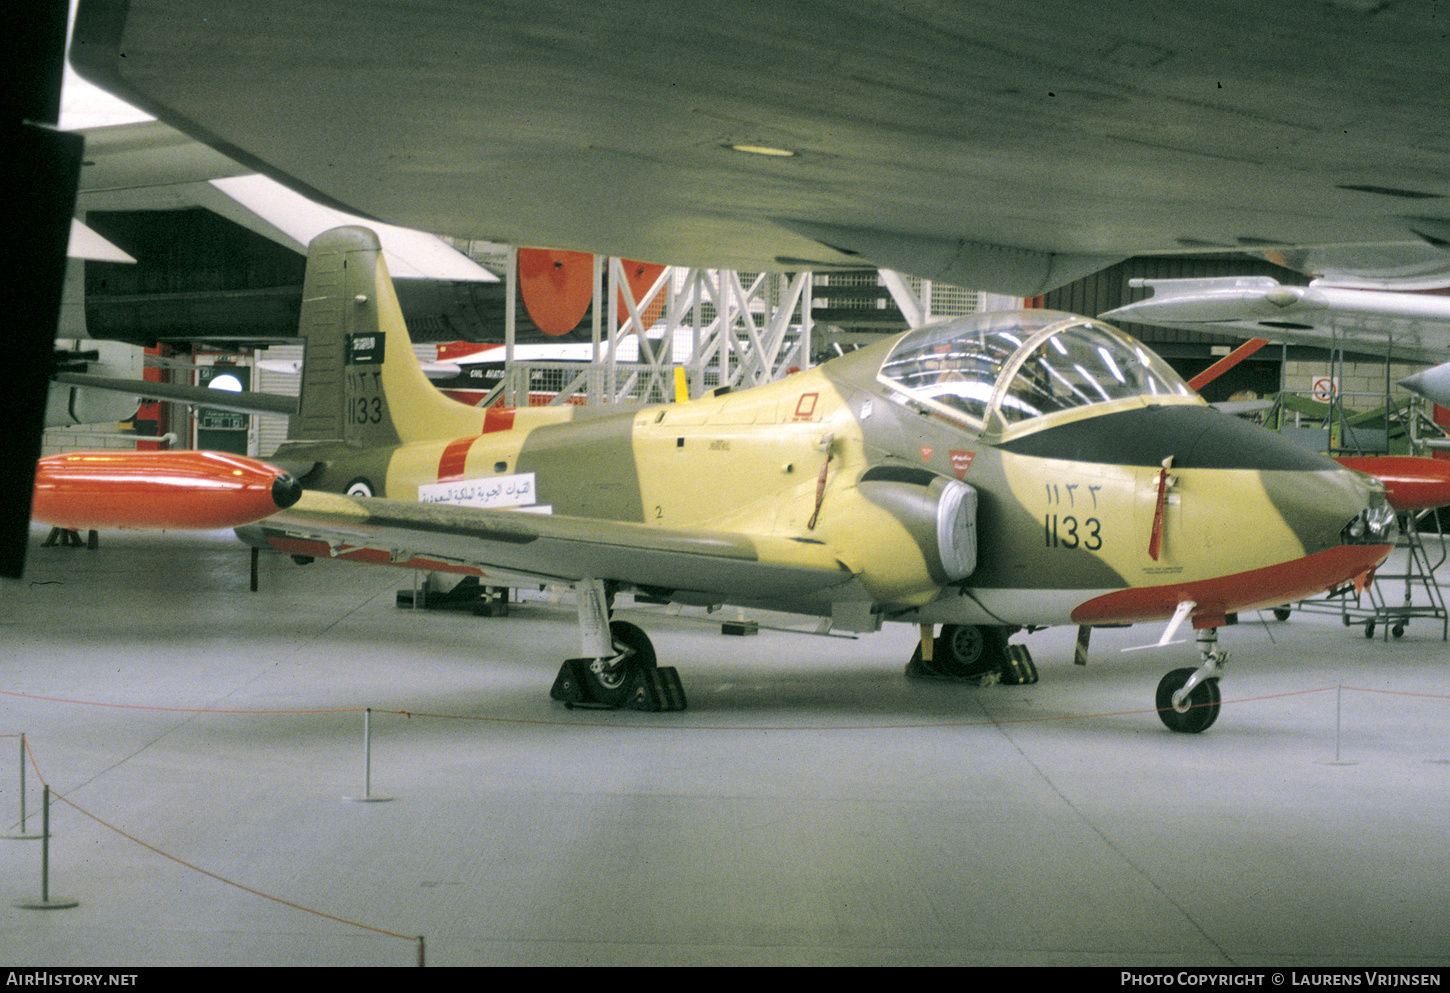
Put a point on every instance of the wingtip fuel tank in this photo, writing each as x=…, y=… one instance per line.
x=181, y=490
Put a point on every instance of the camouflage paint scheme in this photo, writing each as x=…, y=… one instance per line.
x=834, y=492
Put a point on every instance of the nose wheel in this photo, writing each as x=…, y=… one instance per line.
x=1188, y=700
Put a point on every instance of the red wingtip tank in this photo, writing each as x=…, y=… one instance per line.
x=181, y=490
x=1411, y=483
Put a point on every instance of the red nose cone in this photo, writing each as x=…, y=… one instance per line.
x=157, y=490
x=1410, y=483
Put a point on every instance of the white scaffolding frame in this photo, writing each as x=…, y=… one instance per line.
x=721, y=327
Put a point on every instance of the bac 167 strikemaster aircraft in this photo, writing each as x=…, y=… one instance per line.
x=988, y=473
x=985, y=474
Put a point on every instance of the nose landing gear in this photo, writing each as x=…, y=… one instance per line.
x=1188, y=700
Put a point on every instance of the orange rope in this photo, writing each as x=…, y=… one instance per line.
x=550, y=722
x=180, y=710
x=229, y=882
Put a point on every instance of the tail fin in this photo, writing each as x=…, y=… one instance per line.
x=361, y=382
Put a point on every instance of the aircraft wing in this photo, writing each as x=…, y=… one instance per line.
x=550, y=548
x=147, y=165
x=1411, y=326
x=980, y=144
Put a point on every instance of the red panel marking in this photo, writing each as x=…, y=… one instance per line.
x=454, y=458
x=1155, y=534
x=498, y=419
x=961, y=462
x=926, y=451
x=1272, y=586
x=805, y=407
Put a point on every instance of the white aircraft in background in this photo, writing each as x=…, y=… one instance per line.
x=1407, y=324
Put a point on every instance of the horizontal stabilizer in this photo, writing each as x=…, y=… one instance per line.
x=202, y=396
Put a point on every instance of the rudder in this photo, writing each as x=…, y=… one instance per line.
x=361, y=382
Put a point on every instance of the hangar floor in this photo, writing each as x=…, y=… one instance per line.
x=812, y=806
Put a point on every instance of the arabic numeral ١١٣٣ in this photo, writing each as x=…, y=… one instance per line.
x=1068, y=530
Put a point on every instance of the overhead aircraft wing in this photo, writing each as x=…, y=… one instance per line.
x=1411, y=326
x=713, y=566
x=979, y=144
x=148, y=165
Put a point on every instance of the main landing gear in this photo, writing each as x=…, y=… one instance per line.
x=1188, y=699
x=970, y=652
x=619, y=667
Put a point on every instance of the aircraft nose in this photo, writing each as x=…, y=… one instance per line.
x=1377, y=523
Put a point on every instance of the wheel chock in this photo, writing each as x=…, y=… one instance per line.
x=468, y=594
x=657, y=690
x=571, y=686
x=654, y=689
x=1018, y=669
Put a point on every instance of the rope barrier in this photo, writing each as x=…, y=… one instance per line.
x=175, y=710
x=409, y=715
x=557, y=722
x=1427, y=696
x=230, y=882
x=222, y=879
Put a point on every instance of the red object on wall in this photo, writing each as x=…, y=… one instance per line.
x=639, y=277
x=557, y=287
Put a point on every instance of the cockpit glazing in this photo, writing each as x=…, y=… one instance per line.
x=1025, y=365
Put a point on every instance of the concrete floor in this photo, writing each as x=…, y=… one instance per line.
x=811, y=807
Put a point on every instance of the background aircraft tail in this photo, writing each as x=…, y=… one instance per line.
x=361, y=382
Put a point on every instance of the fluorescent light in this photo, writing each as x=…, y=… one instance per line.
x=762, y=150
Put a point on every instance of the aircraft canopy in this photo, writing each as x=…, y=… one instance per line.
x=1025, y=364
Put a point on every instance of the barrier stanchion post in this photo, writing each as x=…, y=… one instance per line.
x=367, y=796
x=24, y=834
x=46, y=901
x=1338, y=717
x=1338, y=725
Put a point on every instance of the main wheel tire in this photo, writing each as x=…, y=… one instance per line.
x=964, y=650
x=612, y=684
x=1198, y=712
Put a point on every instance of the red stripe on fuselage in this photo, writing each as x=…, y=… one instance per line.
x=454, y=459
x=1273, y=586
x=498, y=419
